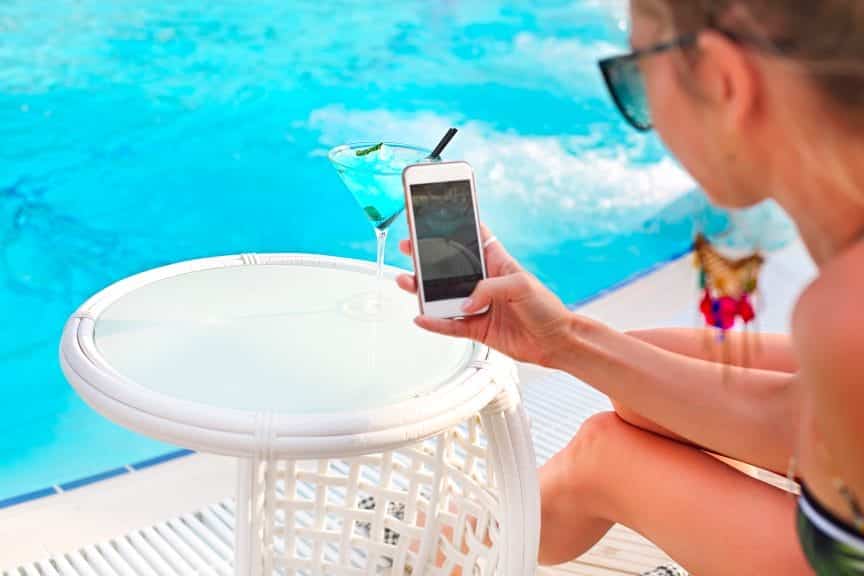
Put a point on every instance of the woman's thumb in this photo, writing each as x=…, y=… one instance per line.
x=502, y=288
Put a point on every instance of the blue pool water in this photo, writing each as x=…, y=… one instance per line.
x=137, y=134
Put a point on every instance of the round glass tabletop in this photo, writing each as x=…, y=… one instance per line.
x=277, y=337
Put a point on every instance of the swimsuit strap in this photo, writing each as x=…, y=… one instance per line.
x=842, y=489
x=852, y=502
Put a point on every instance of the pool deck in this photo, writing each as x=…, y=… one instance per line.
x=61, y=523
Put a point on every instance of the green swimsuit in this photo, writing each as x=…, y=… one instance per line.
x=832, y=546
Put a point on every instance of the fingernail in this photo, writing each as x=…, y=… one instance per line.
x=468, y=304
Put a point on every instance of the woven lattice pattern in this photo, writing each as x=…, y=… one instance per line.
x=429, y=508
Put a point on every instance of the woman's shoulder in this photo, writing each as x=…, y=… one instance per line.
x=829, y=318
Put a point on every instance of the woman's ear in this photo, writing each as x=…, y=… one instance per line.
x=729, y=79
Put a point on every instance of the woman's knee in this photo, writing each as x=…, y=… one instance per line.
x=583, y=460
x=635, y=419
x=596, y=432
x=577, y=481
x=626, y=413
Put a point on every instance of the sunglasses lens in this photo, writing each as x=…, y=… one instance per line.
x=625, y=80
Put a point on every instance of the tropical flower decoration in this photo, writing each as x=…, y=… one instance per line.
x=728, y=285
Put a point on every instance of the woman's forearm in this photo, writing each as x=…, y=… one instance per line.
x=746, y=414
x=763, y=351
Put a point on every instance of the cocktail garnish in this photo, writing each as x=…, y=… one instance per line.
x=373, y=213
x=371, y=149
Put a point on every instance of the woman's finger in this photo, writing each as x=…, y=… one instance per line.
x=499, y=260
x=407, y=282
x=405, y=247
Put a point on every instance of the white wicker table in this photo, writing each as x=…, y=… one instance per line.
x=364, y=446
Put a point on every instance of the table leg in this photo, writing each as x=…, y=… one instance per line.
x=526, y=462
x=515, y=464
x=243, y=545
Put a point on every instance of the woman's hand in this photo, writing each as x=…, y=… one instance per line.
x=525, y=320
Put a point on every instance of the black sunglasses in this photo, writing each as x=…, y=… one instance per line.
x=627, y=86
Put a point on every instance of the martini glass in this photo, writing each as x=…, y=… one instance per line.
x=372, y=172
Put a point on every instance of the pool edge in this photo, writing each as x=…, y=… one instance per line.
x=91, y=479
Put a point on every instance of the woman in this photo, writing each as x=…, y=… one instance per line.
x=758, y=99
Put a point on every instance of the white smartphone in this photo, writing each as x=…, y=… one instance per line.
x=441, y=202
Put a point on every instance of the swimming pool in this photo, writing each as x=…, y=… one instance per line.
x=133, y=135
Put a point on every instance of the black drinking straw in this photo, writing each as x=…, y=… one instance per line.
x=436, y=153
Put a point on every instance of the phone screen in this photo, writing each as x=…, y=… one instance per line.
x=448, y=248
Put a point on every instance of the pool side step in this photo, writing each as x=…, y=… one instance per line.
x=200, y=543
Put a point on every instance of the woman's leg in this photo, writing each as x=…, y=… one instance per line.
x=707, y=516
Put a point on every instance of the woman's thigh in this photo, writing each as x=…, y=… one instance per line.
x=709, y=517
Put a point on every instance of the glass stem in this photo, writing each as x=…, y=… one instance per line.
x=382, y=242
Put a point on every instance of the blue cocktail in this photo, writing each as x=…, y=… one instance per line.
x=372, y=171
